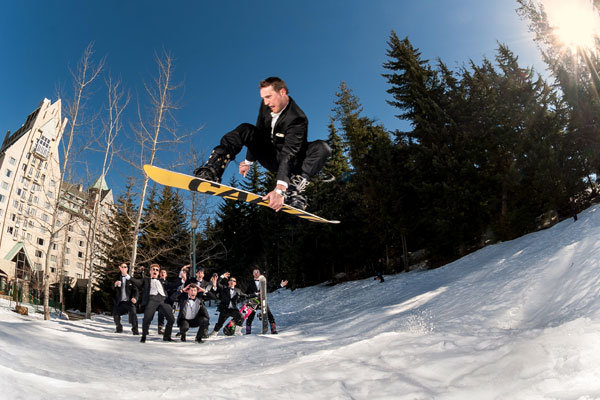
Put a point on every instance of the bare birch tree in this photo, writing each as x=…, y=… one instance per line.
x=117, y=102
x=85, y=74
x=155, y=134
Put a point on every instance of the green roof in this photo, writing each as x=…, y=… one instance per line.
x=100, y=184
x=18, y=246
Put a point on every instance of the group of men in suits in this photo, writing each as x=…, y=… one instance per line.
x=157, y=294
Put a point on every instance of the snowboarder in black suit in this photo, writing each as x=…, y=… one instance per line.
x=278, y=141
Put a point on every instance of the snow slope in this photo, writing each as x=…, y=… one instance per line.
x=517, y=320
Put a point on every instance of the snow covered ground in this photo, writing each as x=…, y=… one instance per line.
x=517, y=320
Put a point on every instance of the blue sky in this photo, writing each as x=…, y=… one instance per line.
x=223, y=49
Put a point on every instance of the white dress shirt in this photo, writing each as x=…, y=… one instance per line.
x=156, y=287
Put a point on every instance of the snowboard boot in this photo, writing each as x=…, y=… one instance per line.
x=213, y=334
x=248, y=329
x=238, y=331
x=119, y=329
x=273, y=328
x=293, y=195
x=215, y=166
x=143, y=339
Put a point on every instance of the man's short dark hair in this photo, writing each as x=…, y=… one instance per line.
x=193, y=286
x=199, y=269
x=275, y=82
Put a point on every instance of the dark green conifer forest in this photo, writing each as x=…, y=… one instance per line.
x=492, y=147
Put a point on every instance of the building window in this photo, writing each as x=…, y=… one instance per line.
x=12, y=161
x=52, y=269
x=52, y=257
x=81, y=243
x=40, y=241
x=67, y=250
x=10, y=230
x=16, y=203
x=80, y=254
x=45, y=217
x=66, y=261
x=2, y=198
x=42, y=147
x=39, y=254
x=5, y=185
x=52, y=183
x=8, y=173
x=68, y=239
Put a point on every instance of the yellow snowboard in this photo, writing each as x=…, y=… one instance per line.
x=188, y=182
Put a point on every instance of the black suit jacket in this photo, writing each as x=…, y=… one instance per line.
x=290, y=135
x=144, y=285
x=182, y=300
x=130, y=289
x=225, y=297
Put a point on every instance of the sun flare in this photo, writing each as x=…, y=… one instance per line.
x=575, y=23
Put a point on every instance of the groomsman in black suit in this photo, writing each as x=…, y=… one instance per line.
x=204, y=291
x=229, y=296
x=191, y=314
x=125, y=298
x=154, y=294
x=253, y=290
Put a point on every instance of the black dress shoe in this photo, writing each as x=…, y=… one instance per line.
x=135, y=332
x=183, y=339
x=143, y=339
x=199, y=341
x=119, y=329
x=167, y=339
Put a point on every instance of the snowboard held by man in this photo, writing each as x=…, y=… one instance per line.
x=278, y=141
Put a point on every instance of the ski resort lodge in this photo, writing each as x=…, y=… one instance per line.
x=31, y=195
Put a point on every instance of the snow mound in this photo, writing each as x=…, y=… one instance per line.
x=517, y=320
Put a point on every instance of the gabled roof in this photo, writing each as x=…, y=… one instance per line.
x=100, y=184
x=18, y=246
